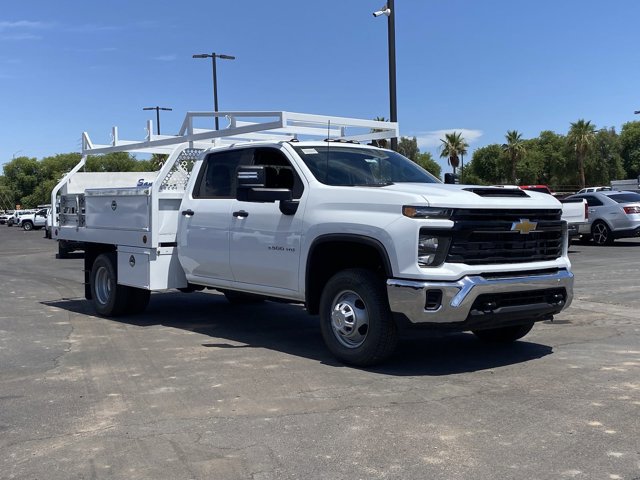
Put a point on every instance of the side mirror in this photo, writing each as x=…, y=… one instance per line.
x=451, y=178
x=253, y=185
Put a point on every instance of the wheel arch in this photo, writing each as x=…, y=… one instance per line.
x=331, y=253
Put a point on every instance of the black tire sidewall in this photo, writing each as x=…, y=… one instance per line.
x=27, y=226
x=117, y=301
x=609, y=239
x=382, y=334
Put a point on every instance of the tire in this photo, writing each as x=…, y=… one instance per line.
x=601, y=233
x=355, y=319
x=109, y=298
x=63, y=249
x=503, y=334
x=239, y=298
x=26, y=226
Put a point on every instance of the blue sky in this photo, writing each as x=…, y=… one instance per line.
x=483, y=67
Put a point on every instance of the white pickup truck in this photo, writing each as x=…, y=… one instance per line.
x=34, y=220
x=360, y=235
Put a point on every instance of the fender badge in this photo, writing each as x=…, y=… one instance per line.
x=524, y=226
x=114, y=205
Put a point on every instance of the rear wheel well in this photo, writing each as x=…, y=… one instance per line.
x=330, y=255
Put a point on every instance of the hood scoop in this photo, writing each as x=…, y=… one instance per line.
x=497, y=192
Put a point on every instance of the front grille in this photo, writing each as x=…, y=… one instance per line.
x=483, y=237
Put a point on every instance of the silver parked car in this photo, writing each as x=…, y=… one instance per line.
x=612, y=215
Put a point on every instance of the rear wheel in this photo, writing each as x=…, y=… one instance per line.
x=63, y=249
x=355, y=319
x=503, y=334
x=601, y=234
x=109, y=298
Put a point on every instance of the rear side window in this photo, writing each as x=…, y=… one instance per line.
x=217, y=177
x=593, y=201
x=625, y=197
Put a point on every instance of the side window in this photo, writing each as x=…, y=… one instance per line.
x=279, y=172
x=217, y=177
x=593, y=201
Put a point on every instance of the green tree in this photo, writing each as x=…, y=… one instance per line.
x=552, y=148
x=488, y=164
x=426, y=161
x=116, y=162
x=515, y=150
x=581, y=137
x=604, y=162
x=630, y=148
x=452, y=148
x=409, y=148
x=22, y=175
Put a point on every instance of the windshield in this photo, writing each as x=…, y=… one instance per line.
x=625, y=197
x=340, y=165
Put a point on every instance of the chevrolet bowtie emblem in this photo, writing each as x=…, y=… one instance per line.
x=524, y=226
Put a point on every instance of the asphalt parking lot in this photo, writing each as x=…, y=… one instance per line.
x=196, y=388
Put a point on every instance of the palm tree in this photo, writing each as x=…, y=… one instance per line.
x=581, y=137
x=452, y=148
x=515, y=150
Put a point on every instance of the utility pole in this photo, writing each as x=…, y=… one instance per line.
x=213, y=57
x=157, y=109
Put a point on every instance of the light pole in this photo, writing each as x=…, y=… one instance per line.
x=213, y=57
x=389, y=11
x=157, y=109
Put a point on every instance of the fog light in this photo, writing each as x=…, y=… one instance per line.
x=427, y=249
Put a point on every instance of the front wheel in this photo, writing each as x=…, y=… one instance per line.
x=26, y=226
x=503, y=334
x=601, y=234
x=355, y=319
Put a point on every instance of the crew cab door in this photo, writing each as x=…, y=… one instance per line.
x=265, y=236
x=205, y=219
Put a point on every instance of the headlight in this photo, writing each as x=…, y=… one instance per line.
x=432, y=249
x=426, y=212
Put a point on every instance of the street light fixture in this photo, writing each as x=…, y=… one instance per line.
x=157, y=109
x=389, y=11
x=213, y=57
x=636, y=112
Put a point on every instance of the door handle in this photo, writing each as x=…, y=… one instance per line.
x=241, y=214
x=188, y=213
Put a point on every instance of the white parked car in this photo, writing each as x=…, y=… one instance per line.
x=593, y=189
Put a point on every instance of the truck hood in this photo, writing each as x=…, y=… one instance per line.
x=462, y=196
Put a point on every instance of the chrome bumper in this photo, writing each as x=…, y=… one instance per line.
x=409, y=297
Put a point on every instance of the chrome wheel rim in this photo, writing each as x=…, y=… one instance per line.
x=600, y=233
x=349, y=319
x=103, y=285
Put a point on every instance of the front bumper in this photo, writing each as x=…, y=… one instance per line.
x=478, y=300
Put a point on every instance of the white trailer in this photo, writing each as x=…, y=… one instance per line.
x=632, y=185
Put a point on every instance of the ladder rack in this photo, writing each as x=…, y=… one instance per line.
x=249, y=126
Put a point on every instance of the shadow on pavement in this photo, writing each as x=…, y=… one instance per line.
x=289, y=329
